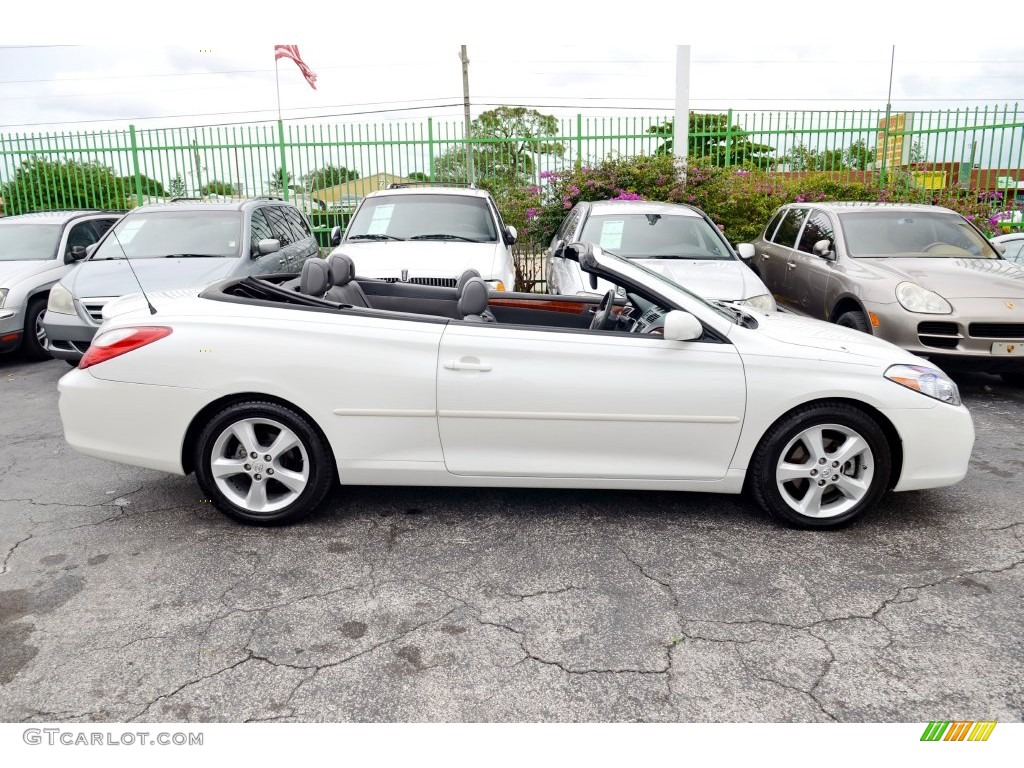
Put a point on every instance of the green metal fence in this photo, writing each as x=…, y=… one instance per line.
x=325, y=169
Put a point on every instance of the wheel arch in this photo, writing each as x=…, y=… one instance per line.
x=892, y=436
x=847, y=304
x=200, y=420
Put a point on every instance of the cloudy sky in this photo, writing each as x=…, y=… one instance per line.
x=93, y=87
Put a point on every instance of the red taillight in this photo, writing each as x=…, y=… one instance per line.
x=117, y=342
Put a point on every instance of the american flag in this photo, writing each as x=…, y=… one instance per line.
x=292, y=52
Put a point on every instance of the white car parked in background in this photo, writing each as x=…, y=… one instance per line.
x=429, y=235
x=272, y=395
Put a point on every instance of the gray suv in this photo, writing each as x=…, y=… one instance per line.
x=176, y=245
x=37, y=250
x=920, y=276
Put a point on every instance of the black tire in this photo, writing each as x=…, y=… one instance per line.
x=1015, y=379
x=32, y=346
x=854, y=319
x=311, y=455
x=837, y=509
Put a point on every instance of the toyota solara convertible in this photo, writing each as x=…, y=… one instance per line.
x=271, y=390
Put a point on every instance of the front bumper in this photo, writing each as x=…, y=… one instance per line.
x=937, y=444
x=67, y=336
x=960, y=341
x=12, y=324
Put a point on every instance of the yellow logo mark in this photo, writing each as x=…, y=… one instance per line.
x=1009, y=305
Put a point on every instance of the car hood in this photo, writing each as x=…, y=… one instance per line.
x=422, y=258
x=13, y=271
x=957, y=278
x=831, y=341
x=725, y=280
x=114, y=278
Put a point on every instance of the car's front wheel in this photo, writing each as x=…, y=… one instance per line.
x=34, y=344
x=821, y=466
x=262, y=463
x=854, y=319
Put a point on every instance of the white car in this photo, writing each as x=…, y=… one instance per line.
x=677, y=241
x=271, y=396
x=429, y=235
x=1012, y=246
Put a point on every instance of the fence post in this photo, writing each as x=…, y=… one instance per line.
x=579, y=139
x=284, y=164
x=135, y=165
x=430, y=148
x=885, y=144
x=728, y=139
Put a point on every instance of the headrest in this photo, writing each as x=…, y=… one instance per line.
x=473, y=300
x=342, y=268
x=315, y=278
x=461, y=282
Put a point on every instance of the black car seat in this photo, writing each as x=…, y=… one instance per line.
x=344, y=288
x=473, y=302
x=315, y=278
x=461, y=282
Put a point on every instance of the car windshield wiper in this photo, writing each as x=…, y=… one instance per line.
x=742, y=318
x=442, y=236
x=193, y=256
x=676, y=256
x=375, y=237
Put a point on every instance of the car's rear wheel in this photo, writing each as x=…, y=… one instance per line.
x=34, y=340
x=821, y=466
x=854, y=319
x=262, y=463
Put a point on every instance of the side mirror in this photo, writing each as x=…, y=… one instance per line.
x=558, y=248
x=267, y=245
x=823, y=248
x=335, y=237
x=77, y=253
x=746, y=251
x=511, y=235
x=999, y=247
x=682, y=326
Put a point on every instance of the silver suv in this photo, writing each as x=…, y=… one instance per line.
x=920, y=276
x=37, y=250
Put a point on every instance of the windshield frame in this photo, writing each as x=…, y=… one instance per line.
x=116, y=245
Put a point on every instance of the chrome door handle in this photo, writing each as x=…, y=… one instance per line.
x=465, y=365
x=791, y=265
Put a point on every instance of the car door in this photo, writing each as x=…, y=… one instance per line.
x=778, y=254
x=559, y=403
x=809, y=273
x=294, y=249
x=305, y=244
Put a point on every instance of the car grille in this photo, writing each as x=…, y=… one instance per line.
x=94, y=307
x=939, y=335
x=441, y=282
x=997, y=330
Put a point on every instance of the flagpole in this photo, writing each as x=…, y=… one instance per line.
x=277, y=82
x=280, y=132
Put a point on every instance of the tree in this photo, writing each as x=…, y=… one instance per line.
x=417, y=176
x=41, y=184
x=859, y=156
x=511, y=138
x=217, y=188
x=802, y=158
x=328, y=176
x=177, y=187
x=712, y=136
x=280, y=180
x=150, y=187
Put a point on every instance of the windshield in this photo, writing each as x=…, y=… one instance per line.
x=162, y=234
x=28, y=242
x=423, y=217
x=923, y=234
x=655, y=236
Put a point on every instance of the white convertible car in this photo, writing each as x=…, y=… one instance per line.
x=272, y=391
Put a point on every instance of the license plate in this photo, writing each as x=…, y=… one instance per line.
x=1012, y=349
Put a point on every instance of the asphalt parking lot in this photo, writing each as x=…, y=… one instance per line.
x=125, y=597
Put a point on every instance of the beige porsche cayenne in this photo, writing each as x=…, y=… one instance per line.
x=919, y=276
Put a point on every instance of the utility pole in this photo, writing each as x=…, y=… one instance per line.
x=465, y=100
x=681, y=124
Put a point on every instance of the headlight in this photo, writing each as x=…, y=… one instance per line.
x=765, y=302
x=3, y=296
x=913, y=298
x=60, y=301
x=927, y=381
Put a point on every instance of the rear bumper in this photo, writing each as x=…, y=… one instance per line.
x=67, y=336
x=138, y=424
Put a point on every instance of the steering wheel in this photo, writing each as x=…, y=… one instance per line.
x=602, y=317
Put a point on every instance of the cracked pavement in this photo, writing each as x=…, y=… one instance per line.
x=125, y=597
